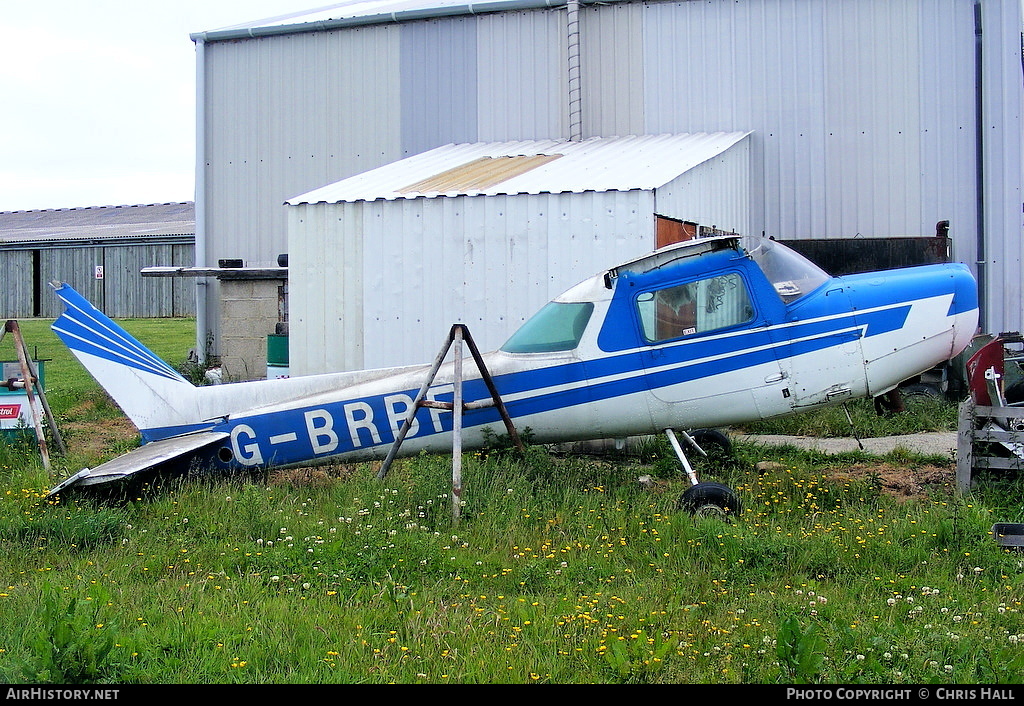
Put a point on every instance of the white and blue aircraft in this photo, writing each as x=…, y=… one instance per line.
x=701, y=334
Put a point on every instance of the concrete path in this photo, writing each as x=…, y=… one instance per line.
x=933, y=443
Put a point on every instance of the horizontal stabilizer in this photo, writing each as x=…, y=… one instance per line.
x=145, y=458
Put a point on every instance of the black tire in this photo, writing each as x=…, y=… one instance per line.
x=710, y=500
x=715, y=444
x=921, y=392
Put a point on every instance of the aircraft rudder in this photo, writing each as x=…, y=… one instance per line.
x=85, y=329
x=141, y=383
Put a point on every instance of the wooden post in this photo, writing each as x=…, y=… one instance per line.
x=58, y=440
x=30, y=383
x=965, y=446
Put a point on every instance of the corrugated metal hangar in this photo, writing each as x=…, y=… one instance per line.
x=99, y=251
x=869, y=118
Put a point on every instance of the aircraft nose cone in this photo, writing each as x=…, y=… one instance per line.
x=964, y=308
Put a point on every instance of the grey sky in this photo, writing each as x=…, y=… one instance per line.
x=99, y=104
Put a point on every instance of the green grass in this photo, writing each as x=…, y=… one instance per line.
x=562, y=569
x=925, y=415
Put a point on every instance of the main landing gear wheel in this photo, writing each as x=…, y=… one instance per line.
x=717, y=448
x=710, y=500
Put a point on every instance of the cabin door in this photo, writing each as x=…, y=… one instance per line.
x=707, y=354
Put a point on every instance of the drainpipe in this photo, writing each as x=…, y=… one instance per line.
x=575, y=101
x=979, y=147
x=200, y=199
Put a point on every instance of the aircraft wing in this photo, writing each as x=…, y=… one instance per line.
x=177, y=449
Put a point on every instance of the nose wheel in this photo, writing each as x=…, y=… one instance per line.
x=705, y=499
x=710, y=500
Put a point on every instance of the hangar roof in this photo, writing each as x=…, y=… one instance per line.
x=361, y=12
x=642, y=162
x=93, y=224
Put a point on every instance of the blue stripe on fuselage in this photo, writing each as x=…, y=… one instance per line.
x=360, y=423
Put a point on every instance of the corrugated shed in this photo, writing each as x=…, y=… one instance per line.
x=485, y=234
x=489, y=262
x=481, y=173
x=597, y=164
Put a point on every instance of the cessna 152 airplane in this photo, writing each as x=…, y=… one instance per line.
x=701, y=334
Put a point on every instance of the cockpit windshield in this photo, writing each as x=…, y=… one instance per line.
x=558, y=326
x=791, y=274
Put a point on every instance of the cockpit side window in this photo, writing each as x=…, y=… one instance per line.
x=695, y=307
x=558, y=326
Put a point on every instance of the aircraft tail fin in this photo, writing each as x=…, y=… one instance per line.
x=154, y=395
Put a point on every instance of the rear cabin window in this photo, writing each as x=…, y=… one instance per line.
x=695, y=307
x=791, y=274
x=558, y=326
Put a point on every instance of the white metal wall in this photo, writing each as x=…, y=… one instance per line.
x=834, y=94
x=284, y=115
x=717, y=193
x=521, y=77
x=489, y=262
x=288, y=114
x=862, y=111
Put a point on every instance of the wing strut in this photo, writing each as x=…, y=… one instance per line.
x=456, y=335
x=670, y=433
